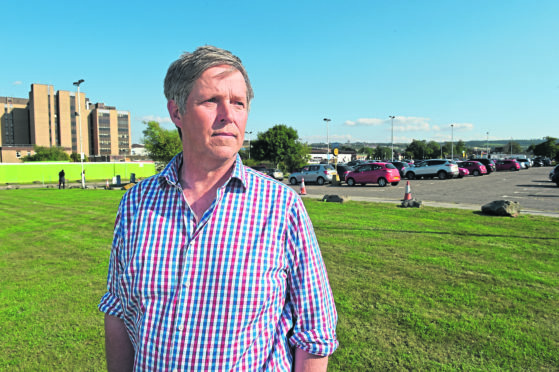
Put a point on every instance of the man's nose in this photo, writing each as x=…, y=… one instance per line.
x=225, y=112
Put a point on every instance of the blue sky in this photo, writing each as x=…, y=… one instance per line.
x=484, y=66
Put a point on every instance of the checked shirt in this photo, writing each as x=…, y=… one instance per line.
x=237, y=290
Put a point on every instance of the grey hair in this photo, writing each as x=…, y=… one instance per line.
x=183, y=73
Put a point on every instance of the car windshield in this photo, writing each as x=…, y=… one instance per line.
x=329, y=167
x=390, y=166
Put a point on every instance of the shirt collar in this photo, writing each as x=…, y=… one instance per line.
x=171, y=173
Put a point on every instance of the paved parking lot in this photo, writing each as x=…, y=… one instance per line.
x=530, y=187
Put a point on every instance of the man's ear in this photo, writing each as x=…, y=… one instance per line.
x=174, y=113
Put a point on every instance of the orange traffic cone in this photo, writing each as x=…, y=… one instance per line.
x=407, y=195
x=303, y=189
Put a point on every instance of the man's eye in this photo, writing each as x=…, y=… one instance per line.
x=211, y=100
x=239, y=103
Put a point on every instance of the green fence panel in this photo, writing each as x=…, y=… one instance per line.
x=47, y=172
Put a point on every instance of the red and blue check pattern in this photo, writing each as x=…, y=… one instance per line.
x=236, y=291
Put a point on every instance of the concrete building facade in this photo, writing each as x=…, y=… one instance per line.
x=52, y=118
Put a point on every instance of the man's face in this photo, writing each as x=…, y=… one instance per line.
x=216, y=112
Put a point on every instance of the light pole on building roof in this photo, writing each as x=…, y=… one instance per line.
x=77, y=84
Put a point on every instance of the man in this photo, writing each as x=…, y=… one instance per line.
x=215, y=266
x=61, y=180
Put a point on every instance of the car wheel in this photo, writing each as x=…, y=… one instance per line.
x=442, y=175
x=382, y=182
x=410, y=176
x=460, y=176
x=395, y=183
x=320, y=181
x=476, y=173
x=512, y=169
x=350, y=182
x=293, y=180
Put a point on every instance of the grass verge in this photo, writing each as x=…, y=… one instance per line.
x=421, y=289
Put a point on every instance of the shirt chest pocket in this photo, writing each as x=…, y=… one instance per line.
x=149, y=276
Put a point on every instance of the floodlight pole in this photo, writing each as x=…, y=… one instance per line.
x=452, y=141
x=392, y=138
x=327, y=140
x=77, y=83
x=487, y=146
x=249, y=135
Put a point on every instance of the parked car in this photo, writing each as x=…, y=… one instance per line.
x=524, y=163
x=545, y=162
x=319, y=173
x=462, y=172
x=402, y=167
x=275, y=173
x=381, y=173
x=554, y=175
x=489, y=164
x=441, y=168
x=261, y=169
x=507, y=164
x=342, y=169
x=355, y=163
x=475, y=167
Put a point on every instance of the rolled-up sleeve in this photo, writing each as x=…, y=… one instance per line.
x=110, y=303
x=315, y=314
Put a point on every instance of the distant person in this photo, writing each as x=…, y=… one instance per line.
x=61, y=179
x=215, y=266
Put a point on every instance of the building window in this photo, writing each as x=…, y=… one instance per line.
x=18, y=154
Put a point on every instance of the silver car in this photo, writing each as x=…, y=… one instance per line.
x=319, y=173
x=441, y=168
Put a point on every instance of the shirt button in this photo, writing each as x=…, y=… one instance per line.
x=181, y=327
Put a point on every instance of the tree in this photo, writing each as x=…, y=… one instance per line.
x=434, y=149
x=512, y=148
x=161, y=144
x=75, y=157
x=47, y=154
x=281, y=146
x=367, y=151
x=417, y=149
x=459, y=148
x=382, y=152
x=549, y=148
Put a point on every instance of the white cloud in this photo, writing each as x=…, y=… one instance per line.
x=17, y=83
x=158, y=119
x=365, y=122
x=464, y=126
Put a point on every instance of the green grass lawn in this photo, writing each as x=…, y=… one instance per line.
x=421, y=289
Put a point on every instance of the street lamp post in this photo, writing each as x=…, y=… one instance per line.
x=452, y=141
x=392, y=137
x=249, y=135
x=327, y=140
x=77, y=83
x=487, y=146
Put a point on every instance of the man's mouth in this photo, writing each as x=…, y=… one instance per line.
x=224, y=134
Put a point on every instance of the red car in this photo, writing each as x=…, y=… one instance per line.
x=475, y=167
x=507, y=164
x=381, y=173
x=462, y=172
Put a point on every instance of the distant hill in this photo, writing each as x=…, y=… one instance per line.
x=524, y=143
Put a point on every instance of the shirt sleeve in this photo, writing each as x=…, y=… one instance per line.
x=110, y=303
x=310, y=294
